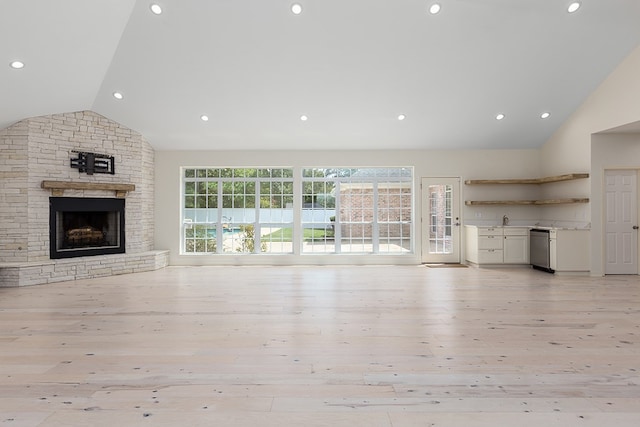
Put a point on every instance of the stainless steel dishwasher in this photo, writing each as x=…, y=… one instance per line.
x=539, y=249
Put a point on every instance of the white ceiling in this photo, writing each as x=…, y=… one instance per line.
x=351, y=66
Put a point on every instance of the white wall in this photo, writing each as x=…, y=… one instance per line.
x=477, y=164
x=609, y=151
x=615, y=103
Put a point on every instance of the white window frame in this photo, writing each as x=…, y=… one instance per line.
x=226, y=228
x=379, y=229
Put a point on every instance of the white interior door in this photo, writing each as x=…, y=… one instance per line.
x=440, y=220
x=621, y=222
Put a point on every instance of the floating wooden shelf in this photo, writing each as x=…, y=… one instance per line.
x=526, y=202
x=57, y=187
x=545, y=180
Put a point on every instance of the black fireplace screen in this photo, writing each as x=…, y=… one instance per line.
x=86, y=226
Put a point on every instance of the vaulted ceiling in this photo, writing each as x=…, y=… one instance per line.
x=352, y=67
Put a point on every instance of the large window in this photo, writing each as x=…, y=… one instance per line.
x=357, y=210
x=237, y=210
x=336, y=210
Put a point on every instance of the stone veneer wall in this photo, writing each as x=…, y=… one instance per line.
x=14, y=175
x=38, y=149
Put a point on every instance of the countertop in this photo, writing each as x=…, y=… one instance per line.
x=539, y=227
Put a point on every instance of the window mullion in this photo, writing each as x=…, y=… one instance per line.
x=256, y=222
x=219, y=231
x=298, y=230
x=337, y=232
x=375, y=229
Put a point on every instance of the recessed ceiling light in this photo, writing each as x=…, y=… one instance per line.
x=117, y=95
x=296, y=8
x=574, y=6
x=16, y=64
x=402, y=117
x=155, y=8
x=500, y=116
x=545, y=115
x=304, y=118
x=204, y=118
x=435, y=8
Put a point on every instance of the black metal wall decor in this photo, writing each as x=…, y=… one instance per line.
x=91, y=163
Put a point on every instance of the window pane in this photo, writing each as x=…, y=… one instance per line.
x=440, y=219
x=235, y=228
x=265, y=188
x=374, y=213
x=264, y=173
x=201, y=187
x=287, y=173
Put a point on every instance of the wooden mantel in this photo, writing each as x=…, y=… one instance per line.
x=57, y=187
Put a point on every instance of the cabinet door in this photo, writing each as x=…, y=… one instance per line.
x=570, y=251
x=516, y=250
x=553, y=252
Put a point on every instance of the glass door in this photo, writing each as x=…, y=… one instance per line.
x=440, y=220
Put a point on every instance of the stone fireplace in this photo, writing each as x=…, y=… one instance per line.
x=86, y=226
x=36, y=179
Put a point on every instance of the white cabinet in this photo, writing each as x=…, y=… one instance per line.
x=483, y=244
x=516, y=245
x=497, y=245
x=569, y=250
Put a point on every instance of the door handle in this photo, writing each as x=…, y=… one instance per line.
x=635, y=227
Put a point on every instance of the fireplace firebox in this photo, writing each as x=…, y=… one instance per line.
x=85, y=226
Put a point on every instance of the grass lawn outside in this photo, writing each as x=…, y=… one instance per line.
x=286, y=234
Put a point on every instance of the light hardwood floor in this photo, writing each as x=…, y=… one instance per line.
x=322, y=346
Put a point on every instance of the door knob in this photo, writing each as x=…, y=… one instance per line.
x=635, y=227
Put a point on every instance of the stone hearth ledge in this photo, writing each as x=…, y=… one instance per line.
x=51, y=271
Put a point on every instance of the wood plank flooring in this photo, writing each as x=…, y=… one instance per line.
x=322, y=346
